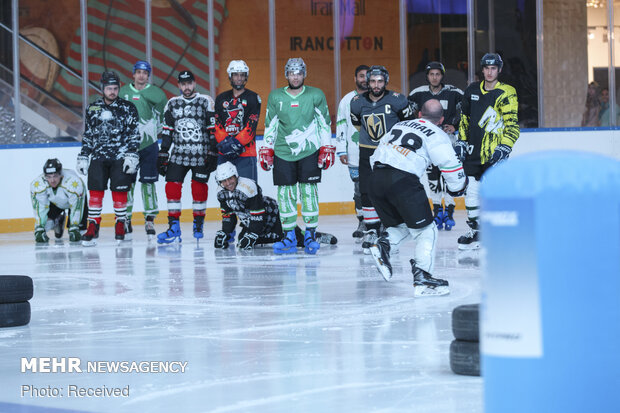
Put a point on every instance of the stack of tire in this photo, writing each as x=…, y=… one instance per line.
x=465, y=349
x=15, y=291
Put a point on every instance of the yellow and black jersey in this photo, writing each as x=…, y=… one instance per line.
x=488, y=118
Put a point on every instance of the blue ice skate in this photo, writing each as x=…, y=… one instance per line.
x=173, y=234
x=438, y=217
x=448, y=218
x=288, y=245
x=199, y=221
x=311, y=246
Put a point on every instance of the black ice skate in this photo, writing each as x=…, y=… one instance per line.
x=128, y=230
x=380, y=251
x=370, y=237
x=361, y=227
x=425, y=285
x=470, y=241
x=149, y=226
x=59, y=225
x=448, y=218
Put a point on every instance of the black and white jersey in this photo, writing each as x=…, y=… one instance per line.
x=188, y=128
x=110, y=131
x=376, y=118
x=256, y=213
x=449, y=96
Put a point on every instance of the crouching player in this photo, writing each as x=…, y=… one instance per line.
x=241, y=199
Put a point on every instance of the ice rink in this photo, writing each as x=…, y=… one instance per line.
x=258, y=332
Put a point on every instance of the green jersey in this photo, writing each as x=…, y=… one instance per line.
x=150, y=103
x=297, y=126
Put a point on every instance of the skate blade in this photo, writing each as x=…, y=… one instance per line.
x=311, y=250
x=150, y=237
x=175, y=240
x=386, y=273
x=90, y=243
x=291, y=250
x=424, y=291
x=467, y=247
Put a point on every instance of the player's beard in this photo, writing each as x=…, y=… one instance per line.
x=378, y=94
x=293, y=87
x=189, y=93
x=361, y=86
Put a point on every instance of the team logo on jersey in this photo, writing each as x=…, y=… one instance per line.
x=225, y=103
x=375, y=125
x=233, y=122
x=188, y=129
x=475, y=97
x=490, y=121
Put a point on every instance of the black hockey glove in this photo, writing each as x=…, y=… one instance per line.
x=211, y=162
x=247, y=241
x=502, y=151
x=221, y=240
x=162, y=163
x=460, y=148
x=461, y=192
x=230, y=147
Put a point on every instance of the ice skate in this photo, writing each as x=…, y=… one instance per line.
x=128, y=230
x=173, y=234
x=92, y=232
x=311, y=246
x=370, y=237
x=59, y=225
x=326, y=238
x=149, y=226
x=361, y=227
x=288, y=245
x=470, y=241
x=438, y=215
x=448, y=218
x=380, y=251
x=424, y=285
x=199, y=221
x=120, y=228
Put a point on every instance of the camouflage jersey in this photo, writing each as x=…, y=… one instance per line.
x=188, y=124
x=110, y=131
x=150, y=103
x=488, y=118
x=376, y=118
x=297, y=126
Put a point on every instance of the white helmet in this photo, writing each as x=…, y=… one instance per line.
x=237, y=66
x=224, y=171
x=294, y=64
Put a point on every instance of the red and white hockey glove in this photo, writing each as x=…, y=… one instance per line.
x=327, y=155
x=265, y=157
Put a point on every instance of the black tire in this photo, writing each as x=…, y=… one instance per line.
x=465, y=358
x=14, y=314
x=15, y=288
x=465, y=322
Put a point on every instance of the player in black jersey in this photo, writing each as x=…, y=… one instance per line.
x=450, y=98
x=375, y=112
x=188, y=129
x=241, y=199
x=236, y=117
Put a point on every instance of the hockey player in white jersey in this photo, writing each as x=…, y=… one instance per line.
x=53, y=192
x=399, y=161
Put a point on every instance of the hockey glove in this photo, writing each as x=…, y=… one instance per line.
x=82, y=164
x=265, y=156
x=460, y=148
x=130, y=164
x=461, y=192
x=230, y=147
x=501, y=154
x=211, y=162
x=162, y=163
x=74, y=234
x=221, y=240
x=247, y=241
x=40, y=235
x=327, y=155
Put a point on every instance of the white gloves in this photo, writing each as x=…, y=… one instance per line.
x=130, y=165
x=82, y=164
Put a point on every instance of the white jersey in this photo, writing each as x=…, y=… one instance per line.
x=413, y=145
x=347, y=135
x=69, y=194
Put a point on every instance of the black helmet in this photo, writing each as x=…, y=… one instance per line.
x=52, y=166
x=492, y=59
x=109, y=78
x=378, y=71
x=435, y=65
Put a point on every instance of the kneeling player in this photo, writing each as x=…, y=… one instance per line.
x=399, y=161
x=241, y=198
x=53, y=192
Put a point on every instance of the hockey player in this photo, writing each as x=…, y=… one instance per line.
x=109, y=153
x=188, y=125
x=53, y=192
x=241, y=198
x=298, y=146
x=347, y=143
x=450, y=98
x=488, y=130
x=399, y=161
x=236, y=118
x=375, y=112
x=150, y=102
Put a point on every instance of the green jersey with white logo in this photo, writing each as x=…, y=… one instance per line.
x=150, y=103
x=297, y=126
